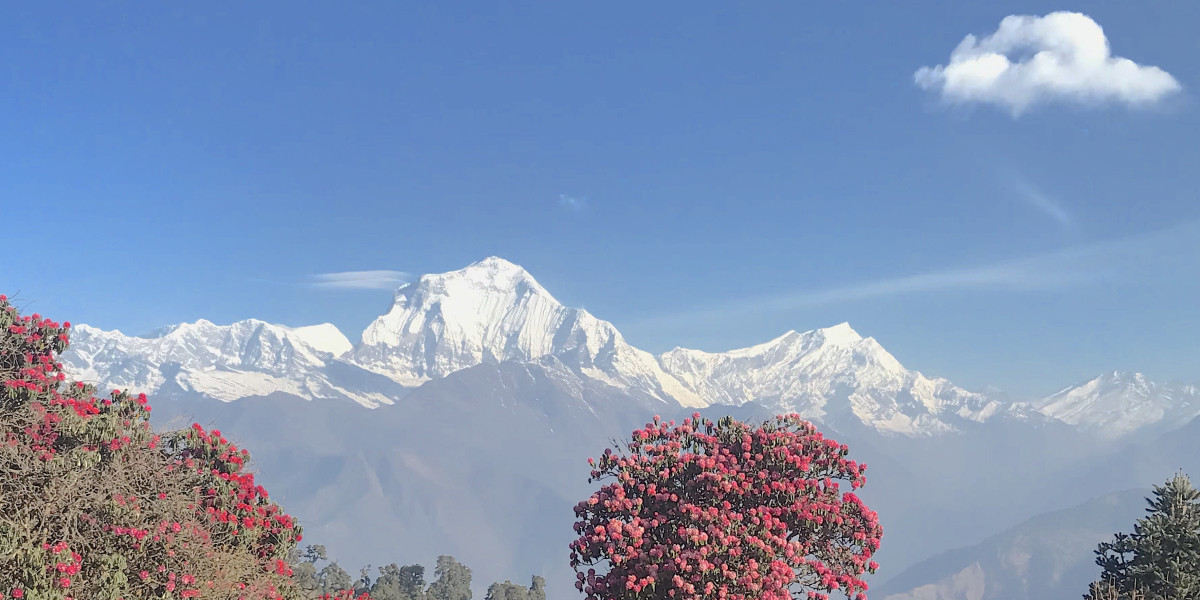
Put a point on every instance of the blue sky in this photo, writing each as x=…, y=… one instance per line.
x=700, y=174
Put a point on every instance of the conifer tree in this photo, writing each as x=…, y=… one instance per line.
x=507, y=591
x=412, y=582
x=537, y=589
x=334, y=578
x=1161, y=558
x=363, y=585
x=387, y=585
x=399, y=583
x=304, y=573
x=453, y=580
x=512, y=591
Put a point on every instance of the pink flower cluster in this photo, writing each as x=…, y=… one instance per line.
x=726, y=511
x=232, y=503
x=65, y=420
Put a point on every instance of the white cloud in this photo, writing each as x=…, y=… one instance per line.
x=1168, y=253
x=1044, y=203
x=361, y=280
x=1063, y=56
x=572, y=202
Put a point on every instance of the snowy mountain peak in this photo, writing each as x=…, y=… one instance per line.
x=249, y=343
x=830, y=374
x=1120, y=402
x=494, y=264
x=224, y=362
x=494, y=311
x=491, y=275
x=841, y=335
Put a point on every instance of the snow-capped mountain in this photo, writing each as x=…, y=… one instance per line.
x=223, y=362
x=493, y=311
x=1118, y=403
x=830, y=374
x=490, y=394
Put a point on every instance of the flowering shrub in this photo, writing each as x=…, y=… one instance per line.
x=95, y=504
x=723, y=510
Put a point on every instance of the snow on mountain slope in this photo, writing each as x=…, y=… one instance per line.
x=493, y=311
x=224, y=362
x=1118, y=403
x=324, y=337
x=829, y=375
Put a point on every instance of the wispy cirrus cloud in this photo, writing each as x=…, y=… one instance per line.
x=1165, y=252
x=1030, y=60
x=1043, y=202
x=360, y=280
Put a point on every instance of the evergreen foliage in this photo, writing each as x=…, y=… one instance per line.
x=399, y=583
x=363, y=585
x=453, y=580
x=512, y=591
x=1160, y=560
x=333, y=578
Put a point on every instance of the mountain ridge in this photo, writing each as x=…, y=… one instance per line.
x=493, y=311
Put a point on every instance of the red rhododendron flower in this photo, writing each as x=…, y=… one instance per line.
x=723, y=509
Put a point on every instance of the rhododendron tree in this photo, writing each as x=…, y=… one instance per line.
x=725, y=510
x=95, y=504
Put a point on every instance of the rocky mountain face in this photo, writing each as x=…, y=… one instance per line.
x=460, y=423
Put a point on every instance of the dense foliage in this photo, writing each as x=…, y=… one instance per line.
x=1160, y=560
x=394, y=582
x=512, y=591
x=94, y=504
x=725, y=510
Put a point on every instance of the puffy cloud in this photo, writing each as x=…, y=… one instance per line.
x=1063, y=56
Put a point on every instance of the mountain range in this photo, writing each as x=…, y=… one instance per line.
x=493, y=311
x=460, y=422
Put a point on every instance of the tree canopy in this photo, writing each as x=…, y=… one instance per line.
x=725, y=510
x=95, y=504
x=1160, y=560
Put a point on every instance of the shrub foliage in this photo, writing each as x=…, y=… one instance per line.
x=95, y=504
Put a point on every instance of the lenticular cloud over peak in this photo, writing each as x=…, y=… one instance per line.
x=1028, y=60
